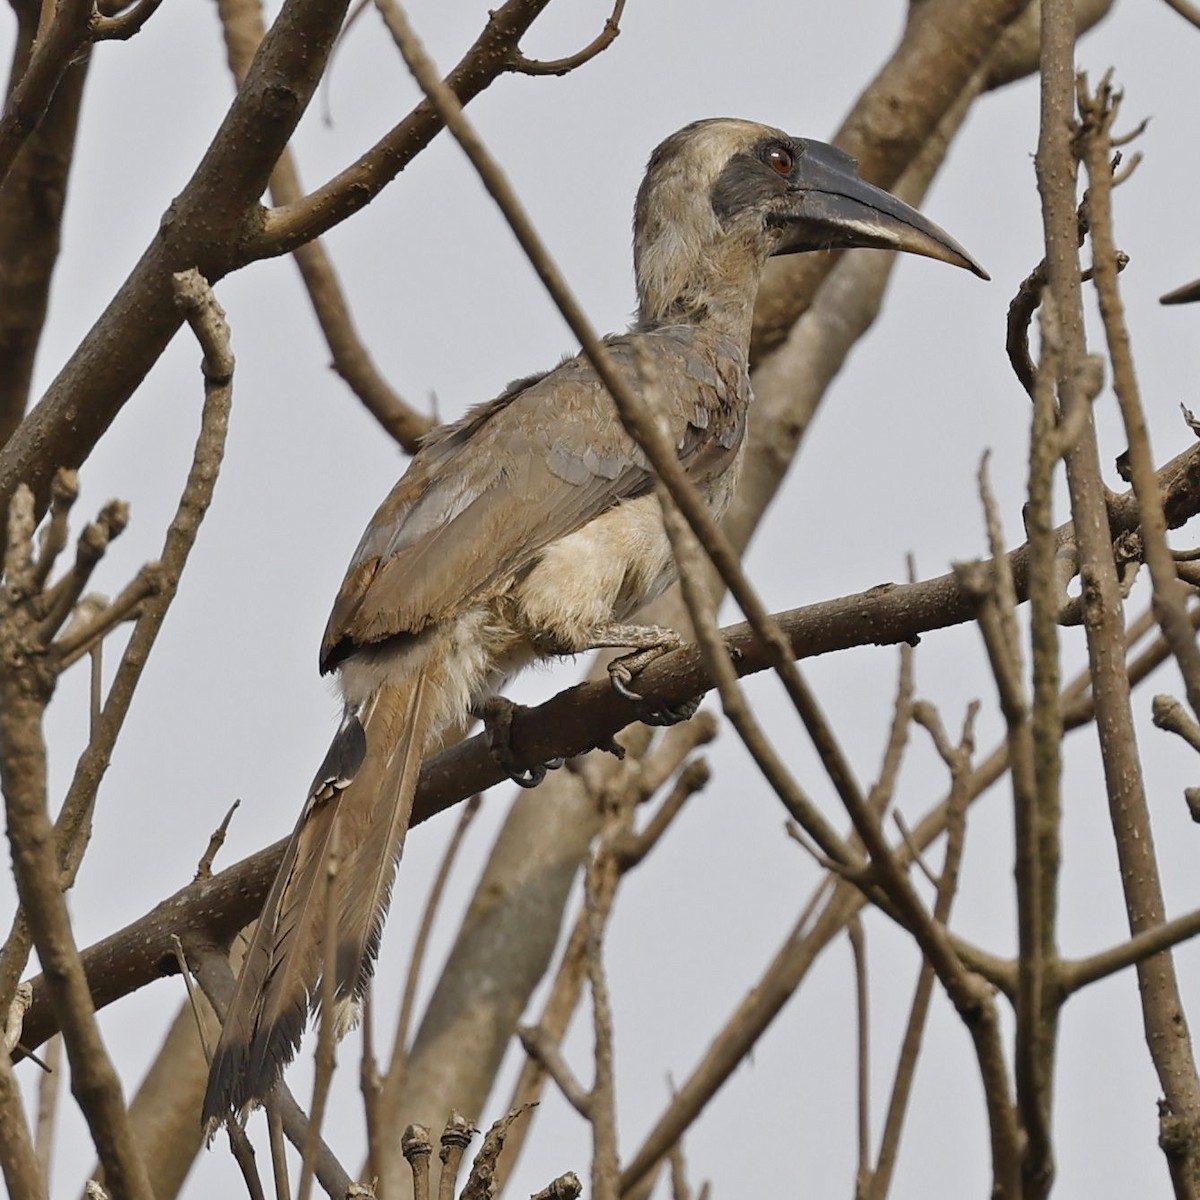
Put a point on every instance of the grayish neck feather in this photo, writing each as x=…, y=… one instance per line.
x=692, y=266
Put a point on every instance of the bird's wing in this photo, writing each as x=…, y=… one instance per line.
x=484, y=496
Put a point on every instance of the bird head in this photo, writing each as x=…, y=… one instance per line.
x=722, y=196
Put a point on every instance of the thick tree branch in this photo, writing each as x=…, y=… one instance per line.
x=572, y=723
x=32, y=199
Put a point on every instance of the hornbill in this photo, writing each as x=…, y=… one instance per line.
x=530, y=528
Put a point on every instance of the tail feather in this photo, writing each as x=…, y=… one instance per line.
x=279, y=981
x=370, y=872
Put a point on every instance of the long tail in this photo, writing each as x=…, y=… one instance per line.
x=364, y=793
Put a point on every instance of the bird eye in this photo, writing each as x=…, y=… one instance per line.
x=781, y=159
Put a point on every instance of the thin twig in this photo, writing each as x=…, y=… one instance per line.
x=631, y=850
x=25, y=689
x=275, y=1139
x=1036, y=822
x=64, y=491
x=395, y=1072
x=456, y=1137
x=122, y=26
x=193, y=998
x=481, y=1182
x=74, y=817
x=599, y=889
x=958, y=760
x=1099, y=111
x=862, y=1013
x=733, y=701
x=1078, y=973
x=244, y=28
x=49, y=1091
x=417, y=1147
x=563, y=66
x=210, y=965
x=23, y=1176
x=326, y=1035
x=80, y=637
x=243, y=1155
x=628, y=851
x=542, y=1048
x=215, y=842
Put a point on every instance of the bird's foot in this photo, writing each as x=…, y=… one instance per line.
x=672, y=714
x=497, y=713
x=649, y=642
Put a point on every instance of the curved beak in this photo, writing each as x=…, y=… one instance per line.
x=830, y=207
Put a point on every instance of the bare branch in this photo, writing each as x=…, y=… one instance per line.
x=212, y=971
x=417, y=1147
x=395, y=1070
x=565, y=1187
x=33, y=92
x=1188, y=11
x=567, y=724
x=64, y=491
x=327, y=1022
x=1099, y=112
x=456, y=1137
x=542, y=1047
x=215, y=842
x=23, y=1176
x=630, y=851
x=716, y=655
x=83, y=636
x=243, y=27
x=25, y=688
x=285, y=228
x=562, y=66
x=125, y=24
x=958, y=760
x=862, y=1014
x=1080, y=972
x=481, y=1182
x=1166, y=1029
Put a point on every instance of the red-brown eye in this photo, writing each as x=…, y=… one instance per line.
x=781, y=159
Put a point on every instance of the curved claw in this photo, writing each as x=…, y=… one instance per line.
x=621, y=677
x=530, y=777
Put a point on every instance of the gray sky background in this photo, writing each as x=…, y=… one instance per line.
x=232, y=706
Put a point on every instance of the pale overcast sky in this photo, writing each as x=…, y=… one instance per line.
x=232, y=705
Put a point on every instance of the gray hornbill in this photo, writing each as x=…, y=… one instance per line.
x=530, y=528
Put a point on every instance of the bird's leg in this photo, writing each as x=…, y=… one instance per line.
x=496, y=713
x=648, y=642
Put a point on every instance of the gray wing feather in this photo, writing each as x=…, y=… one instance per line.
x=484, y=496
